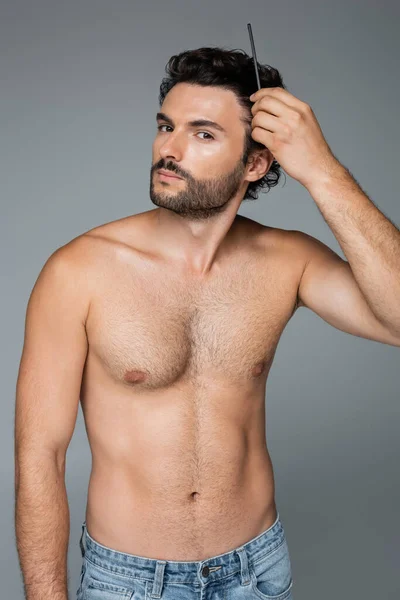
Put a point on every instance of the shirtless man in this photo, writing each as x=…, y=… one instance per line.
x=165, y=324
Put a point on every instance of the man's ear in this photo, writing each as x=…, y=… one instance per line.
x=258, y=164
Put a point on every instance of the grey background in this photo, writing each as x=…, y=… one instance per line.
x=79, y=88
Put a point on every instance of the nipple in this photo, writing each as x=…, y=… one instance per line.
x=259, y=368
x=134, y=376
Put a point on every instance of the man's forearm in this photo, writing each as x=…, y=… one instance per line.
x=42, y=526
x=370, y=241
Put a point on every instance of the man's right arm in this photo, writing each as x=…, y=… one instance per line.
x=47, y=401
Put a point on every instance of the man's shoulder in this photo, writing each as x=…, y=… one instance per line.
x=293, y=238
x=271, y=235
x=117, y=230
x=93, y=242
x=306, y=245
x=251, y=226
x=291, y=246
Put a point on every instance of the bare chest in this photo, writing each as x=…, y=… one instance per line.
x=151, y=328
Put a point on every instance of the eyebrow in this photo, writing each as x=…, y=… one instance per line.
x=197, y=123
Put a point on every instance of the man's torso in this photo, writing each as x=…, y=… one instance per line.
x=173, y=388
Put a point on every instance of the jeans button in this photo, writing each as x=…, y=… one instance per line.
x=205, y=571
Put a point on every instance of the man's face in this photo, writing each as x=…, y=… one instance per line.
x=208, y=160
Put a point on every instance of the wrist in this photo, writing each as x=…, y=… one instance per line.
x=326, y=175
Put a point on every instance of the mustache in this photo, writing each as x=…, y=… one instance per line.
x=172, y=170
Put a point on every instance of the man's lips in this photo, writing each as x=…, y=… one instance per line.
x=169, y=174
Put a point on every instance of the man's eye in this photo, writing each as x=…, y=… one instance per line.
x=206, y=132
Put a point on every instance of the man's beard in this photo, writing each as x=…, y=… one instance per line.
x=200, y=199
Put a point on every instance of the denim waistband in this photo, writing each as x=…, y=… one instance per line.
x=195, y=571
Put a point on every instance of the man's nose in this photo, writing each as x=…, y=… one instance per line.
x=172, y=148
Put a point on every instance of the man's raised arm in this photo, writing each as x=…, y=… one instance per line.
x=47, y=401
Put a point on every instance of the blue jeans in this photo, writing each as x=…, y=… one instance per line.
x=260, y=568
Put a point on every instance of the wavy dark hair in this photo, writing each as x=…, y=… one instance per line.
x=231, y=70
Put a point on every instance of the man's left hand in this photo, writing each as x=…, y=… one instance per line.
x=289, y=129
